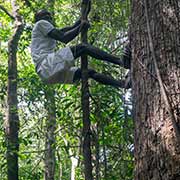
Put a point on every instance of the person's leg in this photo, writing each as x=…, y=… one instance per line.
x=77, y=75
x=101, y=78
x=99, y=54
x=106, y=80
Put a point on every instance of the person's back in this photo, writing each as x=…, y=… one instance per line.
x=41, y=44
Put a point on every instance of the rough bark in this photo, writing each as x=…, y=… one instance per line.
x=85, y=103
x=157, y=148
x=12, y=121
x=50, y=160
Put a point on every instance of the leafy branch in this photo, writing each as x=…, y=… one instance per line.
x=6, y=11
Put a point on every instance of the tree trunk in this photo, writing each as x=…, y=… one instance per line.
x=50, y=160
x=59, y=171
x=97, y=151
x=12, y=122
x=85, y=103
x=157, y=148
x=104, y=155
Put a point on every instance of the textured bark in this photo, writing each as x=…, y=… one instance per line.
x=50, y=160
x=85, y=104
x=157, y=148
x=50, y=135
x=12, y=122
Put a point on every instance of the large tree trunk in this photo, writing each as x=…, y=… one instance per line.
x=12, y=122
x=157, y=148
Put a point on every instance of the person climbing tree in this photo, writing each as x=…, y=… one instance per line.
x=58, y=66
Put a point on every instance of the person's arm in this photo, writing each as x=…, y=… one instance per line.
x=66, y=37
x=68, y=28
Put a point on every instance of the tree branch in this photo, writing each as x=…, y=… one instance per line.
x=6, y=11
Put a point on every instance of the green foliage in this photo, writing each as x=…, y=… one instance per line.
x=110, y=124
x=3, y=150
